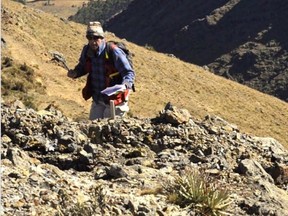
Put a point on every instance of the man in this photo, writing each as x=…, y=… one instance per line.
x=103, y=71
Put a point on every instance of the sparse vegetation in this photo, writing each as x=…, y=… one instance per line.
x=195, y=191
x=17, y=80
x=81, y=208
x=149, y=47
x=21, y=1
x=100, y=10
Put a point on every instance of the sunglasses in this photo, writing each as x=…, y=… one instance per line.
x=93, y=37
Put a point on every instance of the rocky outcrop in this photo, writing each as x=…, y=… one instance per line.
x=53, y=166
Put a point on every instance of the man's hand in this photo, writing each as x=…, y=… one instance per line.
x=72, y=74
x=127, y=84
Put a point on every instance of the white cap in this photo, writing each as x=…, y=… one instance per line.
x=95, y=29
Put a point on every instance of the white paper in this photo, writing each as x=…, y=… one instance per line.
x=114, y=89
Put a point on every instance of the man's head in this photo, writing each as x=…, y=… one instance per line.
x=94, y=34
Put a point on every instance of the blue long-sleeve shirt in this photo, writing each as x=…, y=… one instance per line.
x=97, y=75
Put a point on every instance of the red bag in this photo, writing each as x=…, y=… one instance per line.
x=87, y=91
x=120, y=98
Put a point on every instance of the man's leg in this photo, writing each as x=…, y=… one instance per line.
x=97, y=110
x=120, y=110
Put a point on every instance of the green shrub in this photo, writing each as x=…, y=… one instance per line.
x=197, y=192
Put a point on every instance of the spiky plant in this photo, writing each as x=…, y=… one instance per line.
x=193, y=190
x=217, y=201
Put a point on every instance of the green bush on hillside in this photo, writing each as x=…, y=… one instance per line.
x=195, y=191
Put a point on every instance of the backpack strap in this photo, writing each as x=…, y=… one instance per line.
x=110, y=45
x=109, y=58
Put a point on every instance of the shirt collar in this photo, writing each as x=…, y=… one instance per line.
x=102, y=46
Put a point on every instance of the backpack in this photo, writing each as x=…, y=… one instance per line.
x=122, y=46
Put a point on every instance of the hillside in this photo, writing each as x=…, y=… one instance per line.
x=245, y=41
x=60, y=8
x=99, y=10
x=31, y=35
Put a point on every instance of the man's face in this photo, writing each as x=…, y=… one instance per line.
x=94, y=41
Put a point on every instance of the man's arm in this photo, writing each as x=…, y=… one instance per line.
x=79, y=69
x=123, y=66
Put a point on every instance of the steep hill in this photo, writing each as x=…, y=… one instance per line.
x=30, y=35
x=245, y=41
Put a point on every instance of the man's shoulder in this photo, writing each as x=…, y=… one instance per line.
x=110, y=46
x=85, y=49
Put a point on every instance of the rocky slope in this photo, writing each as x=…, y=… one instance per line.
x=238, y=39
x=53, y=166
